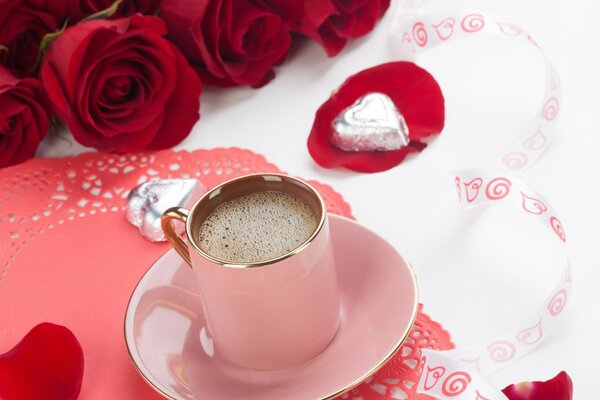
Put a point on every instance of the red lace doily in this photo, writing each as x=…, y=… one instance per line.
x=68, y=256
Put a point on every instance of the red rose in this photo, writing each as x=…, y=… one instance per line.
x=23, y=120
x=79, y=9
x=330, y=22
x=120, y=86
x=232, y=42
x=23, y=24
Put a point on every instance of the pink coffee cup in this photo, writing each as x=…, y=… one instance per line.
x=272, y=314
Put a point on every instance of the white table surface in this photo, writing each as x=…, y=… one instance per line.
x=478, y=270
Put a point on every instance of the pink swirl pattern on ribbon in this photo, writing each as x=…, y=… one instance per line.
x=533, y=42
x=473, y=23
x=554, y=79
x=522, y=153
x=432, y=377
x=509, y=29
x=498, y=188
x=472, y=189
x=456, y=383
x=533, y=205
x=419, y=34
x=487, y=357
x=558, y=229
x=531, y=331
x=501, y=351
x=422, y=365
x=550, y=109
x=474, y=361
x=557, y=303
x=568, y=275
x=532, y=335
x=479, y=396
x=536, y=141
x=445, y=28
x=515, y=160
x=407, y=40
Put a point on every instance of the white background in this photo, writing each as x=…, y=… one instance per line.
x=478, y=270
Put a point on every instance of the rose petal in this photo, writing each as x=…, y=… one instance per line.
x=414, y=92
x=46, y=364
x=185, y=97
x=558, y=388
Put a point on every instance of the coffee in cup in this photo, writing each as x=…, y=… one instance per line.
x=256, y=227
x=259, y=246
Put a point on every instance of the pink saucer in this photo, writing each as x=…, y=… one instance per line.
x=165, y=336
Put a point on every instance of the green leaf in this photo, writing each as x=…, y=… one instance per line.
x=106, y=13
x=50, y=37
x=45, y=42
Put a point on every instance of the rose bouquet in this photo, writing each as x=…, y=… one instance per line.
x=126, y=75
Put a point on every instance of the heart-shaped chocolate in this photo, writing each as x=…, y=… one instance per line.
x=46, y=364
x=372, y=123
x=147, y=202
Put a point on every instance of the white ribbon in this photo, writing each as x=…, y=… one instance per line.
x=460, y=373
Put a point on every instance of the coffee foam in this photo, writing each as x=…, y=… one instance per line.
x=256, y=227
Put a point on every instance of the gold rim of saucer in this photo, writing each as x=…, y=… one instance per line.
x=283, y=177
x=329, y=396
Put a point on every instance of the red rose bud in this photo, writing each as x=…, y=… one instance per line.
x=415, y=94
x=330, y=22
x=558, y=388
x=24, y=119
x=23, y=24
x=120, y=86
x=47, y=364
x=232, y=42
x=79, y=9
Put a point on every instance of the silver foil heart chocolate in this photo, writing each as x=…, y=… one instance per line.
x=147, y=202
x=372, y=123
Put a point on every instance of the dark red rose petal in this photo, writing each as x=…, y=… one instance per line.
x=558, y=388
x=414, y=92
x=330, y=40
x=47, y=364
x=186, y=99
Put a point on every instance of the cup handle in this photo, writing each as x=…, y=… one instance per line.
x=179, y=214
